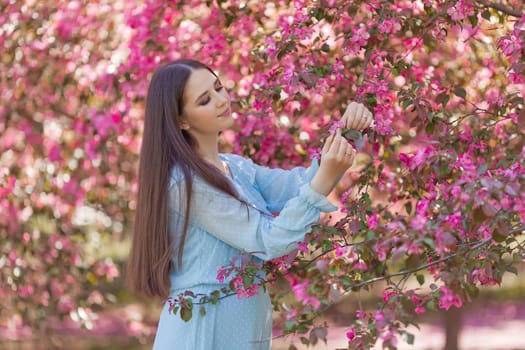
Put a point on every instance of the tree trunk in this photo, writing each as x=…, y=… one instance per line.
x=452, y=328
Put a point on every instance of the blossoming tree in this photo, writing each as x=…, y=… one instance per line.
x=436, y=197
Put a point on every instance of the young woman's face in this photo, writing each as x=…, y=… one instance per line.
x=207, y=107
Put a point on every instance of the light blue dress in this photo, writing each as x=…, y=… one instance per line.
x=220, y=226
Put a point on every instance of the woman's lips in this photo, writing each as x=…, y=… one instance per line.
x=226, y=113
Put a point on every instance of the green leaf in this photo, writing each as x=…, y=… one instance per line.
x=313, y=337
x=305, y=340
x=429, y=129
x=406, y=103
x=442, y=98
x=431, y=305
x=472, y=290
x=478, y=215
x=346, y=281
x=353, y=135
x=229, y=18
x=501, y=162
x=289, y=326
x=408, y=207
x=429, y=242
x=325, y=48
x=473, y=20
x=302, y=329
x=175, y=310
x=186, y=313
x=486, y=15
x=498, y=237
x=420, y=279
x=214, y=297
x=409, y=338
x=460, y=92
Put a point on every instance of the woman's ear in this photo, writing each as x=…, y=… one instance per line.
x=184, y=125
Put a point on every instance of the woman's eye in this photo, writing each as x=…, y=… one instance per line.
x=205, y=102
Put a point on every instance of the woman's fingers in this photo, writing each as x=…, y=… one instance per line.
x=343, y=151
x=362, y=117
x=352, y=116
x=328, y=143
x=339, y=142
x=357, y=116
x=368, y=120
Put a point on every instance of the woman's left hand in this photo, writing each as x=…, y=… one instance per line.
x=357, y=117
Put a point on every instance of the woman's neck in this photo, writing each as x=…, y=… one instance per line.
x=208, y=149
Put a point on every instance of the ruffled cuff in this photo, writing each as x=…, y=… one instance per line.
x=316, y=199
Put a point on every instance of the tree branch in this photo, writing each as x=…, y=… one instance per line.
x=422, y=267
x=502, y=8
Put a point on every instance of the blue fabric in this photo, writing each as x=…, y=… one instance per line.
x=219, y=228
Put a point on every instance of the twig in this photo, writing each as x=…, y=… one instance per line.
x=502, y=8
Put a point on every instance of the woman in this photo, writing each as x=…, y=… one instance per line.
x=198, y=208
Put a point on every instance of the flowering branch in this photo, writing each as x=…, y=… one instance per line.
x=502, y=8
x=420, y=268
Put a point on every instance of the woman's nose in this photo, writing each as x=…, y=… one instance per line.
x=221, y=99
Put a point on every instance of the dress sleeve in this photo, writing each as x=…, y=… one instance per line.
x=278, y=186
x=244, y=227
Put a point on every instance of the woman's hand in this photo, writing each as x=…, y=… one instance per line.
x=337, y=156
x=357, y=117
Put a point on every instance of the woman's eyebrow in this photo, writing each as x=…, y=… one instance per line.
x=205, y=92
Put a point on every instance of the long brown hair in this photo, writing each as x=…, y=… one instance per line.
x=164, y=146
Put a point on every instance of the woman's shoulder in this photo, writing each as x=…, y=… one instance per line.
x=244, y=167
x=234, y=157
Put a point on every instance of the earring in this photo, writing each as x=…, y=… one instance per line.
x=184, y=126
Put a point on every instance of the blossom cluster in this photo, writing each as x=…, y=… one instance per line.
x=438, y=186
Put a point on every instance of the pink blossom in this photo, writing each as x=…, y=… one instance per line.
x=360, y=265
x=389, y=26
x=387, y=294
x=448, y=299
x=404, y=159
x=460, y=10
x=291, y=315
x=302, y=246
x=484, y=276
x=26, y=291
x=340, y=250
x=301, y=293
x=314, y=153
x=373, y=221
x=350, y=335
x=336, y=125
x=511, y=45
x=380, y=319
x=221, y=274
x=360, y=36
x=419, y=310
